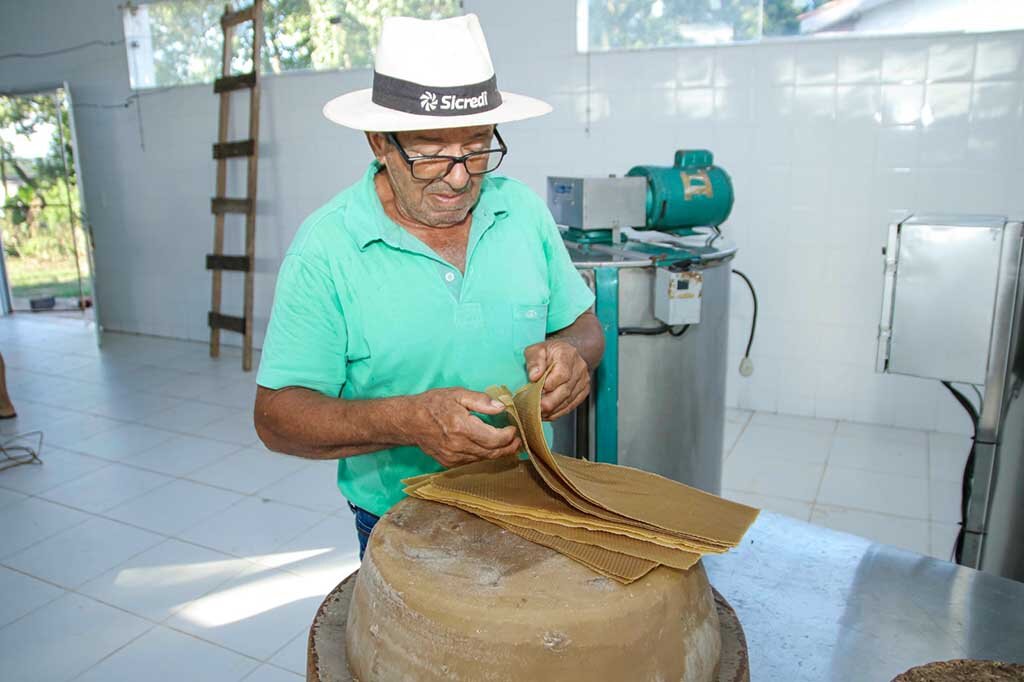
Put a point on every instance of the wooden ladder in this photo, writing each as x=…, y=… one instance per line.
x=221, y=205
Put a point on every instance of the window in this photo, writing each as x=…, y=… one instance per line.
x=636, y=24
x=179, y=42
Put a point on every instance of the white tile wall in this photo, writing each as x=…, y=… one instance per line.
x=826, y=141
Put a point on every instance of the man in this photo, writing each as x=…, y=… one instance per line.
x=406, y=295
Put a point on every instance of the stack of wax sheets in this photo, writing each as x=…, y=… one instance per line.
x=619, y=521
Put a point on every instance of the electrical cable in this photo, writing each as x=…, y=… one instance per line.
x=746, y=365
x=63, y=50
x=653, y=331
x=968, y=476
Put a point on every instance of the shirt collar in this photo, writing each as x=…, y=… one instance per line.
x=373, y=224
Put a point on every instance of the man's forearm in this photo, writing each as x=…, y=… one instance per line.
x=586, y=336
x=299, y=421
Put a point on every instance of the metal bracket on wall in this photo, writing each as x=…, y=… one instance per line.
x=606, y=391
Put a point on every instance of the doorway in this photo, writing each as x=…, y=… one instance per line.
x=47, y=255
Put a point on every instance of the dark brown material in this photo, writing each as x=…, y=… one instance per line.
x=229, y=322
x=233, y=263
x=222, y=151
x=229, y=150
x=229, y=19
x=964, y=670
x=7, y=410
x=325, y=650
x=239, y=82
x=221, y=205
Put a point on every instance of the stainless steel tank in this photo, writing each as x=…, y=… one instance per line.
x=670, y=407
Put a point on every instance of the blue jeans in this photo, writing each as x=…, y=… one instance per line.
x=365, y=521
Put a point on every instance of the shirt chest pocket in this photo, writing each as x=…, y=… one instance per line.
x=529, y=324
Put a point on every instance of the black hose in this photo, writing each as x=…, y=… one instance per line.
x=968, y=477
x=753, y=322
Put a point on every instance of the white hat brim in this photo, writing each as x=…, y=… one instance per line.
x=358, y=110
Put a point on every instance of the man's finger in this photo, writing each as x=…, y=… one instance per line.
x=515, y=447
x=536, y=361
x=480, y=402
x=578, y=396
x=486, y=437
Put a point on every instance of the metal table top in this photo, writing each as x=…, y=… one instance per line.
x=817, y=605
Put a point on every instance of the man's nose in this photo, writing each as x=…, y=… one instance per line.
x=458, y=176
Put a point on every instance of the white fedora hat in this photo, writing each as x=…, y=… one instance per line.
x=431, y=74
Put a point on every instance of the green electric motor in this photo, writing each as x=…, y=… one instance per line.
x=693, y=192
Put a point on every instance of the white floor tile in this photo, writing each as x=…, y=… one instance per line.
x=235, y=428
x=798, y=445
x=793, y=422
x=911, y=534
x=188, y=385
x=252, y=527
x=164, y=655
x=736, y=415
x=172, y=508
x=326, y=554
x=779, y=505
x=943, y=537
x=256, y=613
x=892, y=457
x=131, y=405
x=181, y=455
x=10, y=497
x=944, y=501
x=161, y=580
x=293, y=656
x=874, y=491
x=25, y=523
x=730, y=435
x=86, y=630
x=236, y=394
x=269, y=673
x=881, y=433
x=22, y=594
x=106, y=488
x=123, y=441
x=314, y=486
x=947, y=455
x=189, y=417
x=73, y=429
x=248, y=470
x=82, y=552
x=769, y=475
x=59, y=466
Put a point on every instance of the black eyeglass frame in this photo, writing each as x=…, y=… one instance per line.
x=452, y=160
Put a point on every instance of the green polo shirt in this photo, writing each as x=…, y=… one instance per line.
x=363, y=309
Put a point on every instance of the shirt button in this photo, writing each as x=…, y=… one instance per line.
x=449, y=276
x=531, y=314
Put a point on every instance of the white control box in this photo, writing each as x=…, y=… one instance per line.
x=678, y=296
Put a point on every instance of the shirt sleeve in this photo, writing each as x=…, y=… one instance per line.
x=570, y=295
x=306, y=339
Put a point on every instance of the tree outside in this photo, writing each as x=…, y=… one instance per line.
x=635, y=24
x=184, y=36
x=44, y=249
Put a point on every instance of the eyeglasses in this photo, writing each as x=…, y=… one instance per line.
x=437, y=166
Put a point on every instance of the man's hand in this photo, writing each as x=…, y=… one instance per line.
x=567, y=385
x=443, y=427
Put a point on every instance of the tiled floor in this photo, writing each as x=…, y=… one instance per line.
x=896, y=486
x=160, y=541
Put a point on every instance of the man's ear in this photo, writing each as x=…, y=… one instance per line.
x=378, y=144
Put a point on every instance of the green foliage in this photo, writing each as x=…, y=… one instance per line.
x=635, y=24
x=298, y=34
x=35, y=221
